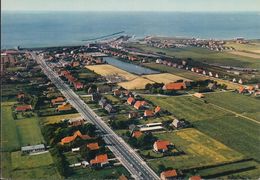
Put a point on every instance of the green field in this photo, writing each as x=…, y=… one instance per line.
x=199, y=149
x=214, y=172
x=28, y=131
x=204, y=55
x=107, y=173
x=220, y=118
x=32, y=166
x=238, y=103
x=20, y=161
x=5, y=164
x=237, y=133
x=19, y=132
x=9, y=135
x=187, y=107
x=57, y=118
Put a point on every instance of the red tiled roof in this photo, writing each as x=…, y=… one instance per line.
x=76, y=134
x=162, y=145
x=241, y=89
x=148, y=113
x=99, y=159
x=195, y=178
x=169, y=173
x=157, y=109
x=78, y=85
x=93, y=146
x=23, y=108
x=174, y=86
x=57, y=100
x=130, y=100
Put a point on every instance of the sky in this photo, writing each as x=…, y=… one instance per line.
x=131, y=5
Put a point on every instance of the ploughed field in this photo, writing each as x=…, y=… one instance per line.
x=133, y=81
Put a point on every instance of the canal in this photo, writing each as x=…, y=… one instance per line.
x=132, y=68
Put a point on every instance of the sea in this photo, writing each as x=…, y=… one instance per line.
x=42, y=29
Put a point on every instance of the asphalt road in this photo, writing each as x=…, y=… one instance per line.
x=126, y=155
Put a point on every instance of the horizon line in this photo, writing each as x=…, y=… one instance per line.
x=195, y=11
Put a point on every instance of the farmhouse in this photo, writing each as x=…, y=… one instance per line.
x=161, y=146
x=139, y=104
x=93, y=146
x=137, y=134
x=109, y=108
x=177, y=123
x=212, y=86
x=168, y=175
x=174, y=86
x=117, y=92
x=78, y=85
x=99, y=161
x=148, y=113
x=242, y=90
x=57, y=101
x=76, y=135
x=33, y=149
x=157, y=109
x=64, y=107
x=195, y=178
x=23, y=108
x=130, y=100
x=76, y=121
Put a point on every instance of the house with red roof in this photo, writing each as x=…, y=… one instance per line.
x=148, y=113
x=168, y=175
x=57, y=101
x=161, y=145
x=139, y=104
x=77, y=134
x=23, y=108
x=157, y=109
x=78, y=85
x=99, y=161
x=93, y=146
x=137, y=134
x=64, y=73
x=195, y=178
x=64, y=107
x=242, y=90
x=130, y=100
x=175, y=86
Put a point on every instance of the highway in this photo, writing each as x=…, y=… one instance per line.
x=126, y=155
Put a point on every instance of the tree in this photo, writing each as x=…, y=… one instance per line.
x=161, y=168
